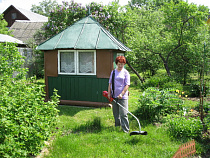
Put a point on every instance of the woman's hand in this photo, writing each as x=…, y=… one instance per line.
x=120, y=96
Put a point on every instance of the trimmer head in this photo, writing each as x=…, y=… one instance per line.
x=138, y=133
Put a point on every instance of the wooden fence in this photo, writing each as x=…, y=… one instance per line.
x=185, y=150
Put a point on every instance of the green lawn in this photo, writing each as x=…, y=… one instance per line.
x=90, y=132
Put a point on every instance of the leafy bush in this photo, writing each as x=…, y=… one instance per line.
x=184, y=128
x=154, y=103
x=173, y=85
x=156, y=81
x=192, y=90
x=10, y=62
x=25, y=119
x=135, y=82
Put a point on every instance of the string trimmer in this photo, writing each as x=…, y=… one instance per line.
x=140, y=132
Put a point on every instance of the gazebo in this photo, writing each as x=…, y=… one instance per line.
x=78, y=62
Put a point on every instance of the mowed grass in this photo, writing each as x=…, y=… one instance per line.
x=90, y=132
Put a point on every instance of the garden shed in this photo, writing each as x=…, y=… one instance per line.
x=78, y=62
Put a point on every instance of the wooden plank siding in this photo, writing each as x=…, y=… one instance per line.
x=79, y=88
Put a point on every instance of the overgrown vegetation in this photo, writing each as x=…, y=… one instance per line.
x=154, y=104
x=25, y=119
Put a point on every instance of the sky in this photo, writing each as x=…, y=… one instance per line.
x=26, y=4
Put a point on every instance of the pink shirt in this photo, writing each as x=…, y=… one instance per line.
x=122, y=79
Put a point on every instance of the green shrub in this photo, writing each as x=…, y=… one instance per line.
x=184, y=128
x=192, y=90
x=11, y=62
x=135, y=82
x=173, y=85
x=156, y=81
x=155, y=103
x=25, y=119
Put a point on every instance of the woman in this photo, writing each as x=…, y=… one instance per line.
x=120, y=93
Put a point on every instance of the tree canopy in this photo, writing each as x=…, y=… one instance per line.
x=173, y=34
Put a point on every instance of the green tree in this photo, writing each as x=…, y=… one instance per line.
x=150, y=4
x=60, y=18
x=163, y=33
x=144, y=24
x=3, y=25
x=44, y=7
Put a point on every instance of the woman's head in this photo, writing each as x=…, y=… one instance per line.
x=120, y=59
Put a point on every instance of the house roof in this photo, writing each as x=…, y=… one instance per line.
x=7, y=38
x=31, y=16
x=25, y=30
x=84, y=34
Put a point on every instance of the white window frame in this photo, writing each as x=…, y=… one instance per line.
x=59, y=66
x=76, y=59
x=94, y=52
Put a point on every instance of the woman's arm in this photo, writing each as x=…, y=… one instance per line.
x=109, y=91
x=123, y=91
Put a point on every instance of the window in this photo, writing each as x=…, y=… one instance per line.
x=67, y=62
x=13, y=16
x=81, y=62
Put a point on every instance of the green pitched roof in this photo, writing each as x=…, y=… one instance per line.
x=84, y=34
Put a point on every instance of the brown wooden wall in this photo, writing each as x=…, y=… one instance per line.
x=8, y=15
x=104, y=65
x=50, y=67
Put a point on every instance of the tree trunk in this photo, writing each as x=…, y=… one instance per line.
x=140, y=78
x=167, y=69
x=165, y=62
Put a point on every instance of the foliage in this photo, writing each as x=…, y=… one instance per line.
x=39, y=64
x=44, y=7
x=115, y=19
x=155, y=103
x=184, y=128
x=172, y=35
x=156, y=81
x=162, y=81
x=151, y=4
x=192, y=89
x=145, y=25
x=25, y=119
x=10, y=62
x=3, y=25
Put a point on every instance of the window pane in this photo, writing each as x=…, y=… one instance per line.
x=86, y=62
x=67, y=63
x=14, y=16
